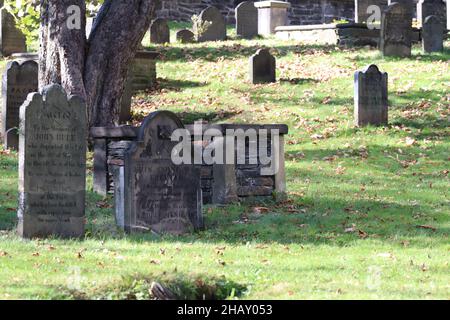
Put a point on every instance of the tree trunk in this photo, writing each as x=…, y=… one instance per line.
x=95, y=69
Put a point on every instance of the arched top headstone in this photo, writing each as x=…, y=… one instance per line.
x=214, y=25
x=396, y=31
x=433, y=34
x=262, y=67
x=246, y=20
x=185, y=36
x=159, y=31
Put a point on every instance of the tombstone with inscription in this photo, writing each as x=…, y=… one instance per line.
x=159, y=31
x=427, y=8
x=19, y=79
x=365, y=8
x=396, y=31
x=52, y=165
x=262, y=67
x=158, y=195
x=185, y=36
x=12, y=39
x=432, y=35
x=211, y=26
x=246, y=20
x=371, y=97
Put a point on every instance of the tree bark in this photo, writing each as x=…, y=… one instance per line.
x=96, y=69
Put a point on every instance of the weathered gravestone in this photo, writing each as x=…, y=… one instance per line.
x=159, y=195
x=371, y=97
x=427, y=8
x=262, y=67
x=19, y=80
x=159, y=31
x=396, y=31
x=185, y=36
x=12, y=39
x=211, y=26
x=52, y=165
x=409, y=5
x=271, y=14
x=363, y=9
x=246, y=20
x=432, y=35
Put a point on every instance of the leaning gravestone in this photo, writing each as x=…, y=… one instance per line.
x=396, y=31
x=12, y=39
x=246, y=20
x=427, y=8
x=262, y=67
x=211, y=26
x=159, y=195
x=432, y=35
x=159, y=31
x=19, y=80
x=185, y=36
x=371, y=97
x=52, y=165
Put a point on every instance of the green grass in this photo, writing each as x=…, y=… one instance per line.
x=357, y=197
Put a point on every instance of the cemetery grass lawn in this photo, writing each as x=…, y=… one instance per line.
x=367, y=214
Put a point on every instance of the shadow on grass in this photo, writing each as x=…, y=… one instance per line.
x=178, y=85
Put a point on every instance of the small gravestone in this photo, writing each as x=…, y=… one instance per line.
x=246, y=20
x=432, y=35
x=52, y=165
x=262, y=67
x=396, y=31
x=185, y=36
x=210, y=26
x=159, y=31
x=371, y=97
x=362, y=9
x=159, y=195
x=12, y=39
x=427, y=8
x=19, y=80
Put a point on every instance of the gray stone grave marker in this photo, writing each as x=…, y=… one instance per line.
x=12, y=39
x=362, y=6
x=159, y=31
x=19, y=80
x=427, y=8
x=52, y=165
x=396, y=31
x=371, y=97
x=185, y=36
x=159, y=195
x=262, y=67
x=432, y=35
x=215, y=26
x=247, y=20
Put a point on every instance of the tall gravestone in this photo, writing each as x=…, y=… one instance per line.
x=12, y=39
x=19, y=79
x=361, y=9
x=396, y=31
x=159, y=195
x=246, y=20
x=52, y=165
x=262, y=67
x=427, y=8
x=211, y=26
x=159, y=31
x=432, y=35
x=371, y=97
x=185, y=36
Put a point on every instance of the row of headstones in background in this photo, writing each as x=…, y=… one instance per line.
x=12, y=40
x=52, y=165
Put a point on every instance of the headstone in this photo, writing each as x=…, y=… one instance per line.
x=159, y=195
x=427, y=8
x=159, y=31
x=396, y=31
x=211, y=26
x=12, y=39
x=185, y=36
x=361, y=9
x=262, y=67
x=371, y=97
x=432, y=35
x=246, y=20
x=19, y=79
x=271, y=14
x=409, y=5
x=52, y=165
